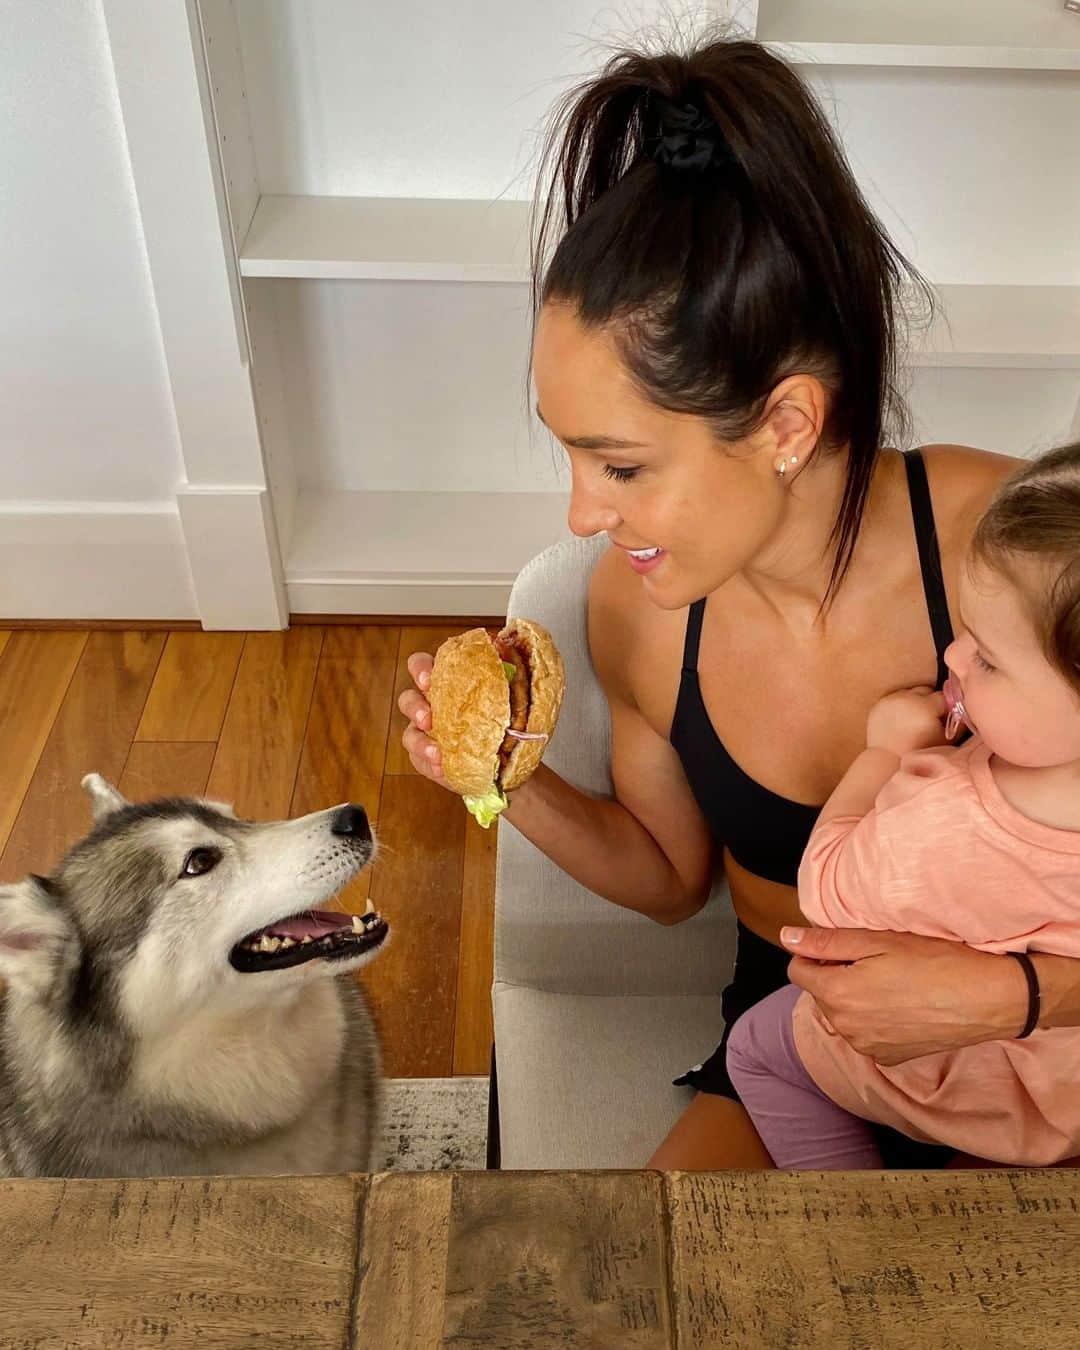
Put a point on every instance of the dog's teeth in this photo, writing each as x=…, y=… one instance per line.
x=369, y=908
x=358, y=923
x=305, y=940
x=288, y=942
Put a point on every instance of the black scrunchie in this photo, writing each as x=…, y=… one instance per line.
x=689, y=140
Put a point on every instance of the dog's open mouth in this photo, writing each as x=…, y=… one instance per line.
x=315, y=935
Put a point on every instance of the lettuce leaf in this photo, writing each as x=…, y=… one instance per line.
x=487, y=807
x=510, y=669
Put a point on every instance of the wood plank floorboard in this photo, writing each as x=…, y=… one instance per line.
x=192, y=687
x=35, y=671
x=263, y=734
x=92, y=733
x=345, y=745
x=417, y=888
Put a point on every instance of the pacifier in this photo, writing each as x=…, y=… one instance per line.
x=956, y=713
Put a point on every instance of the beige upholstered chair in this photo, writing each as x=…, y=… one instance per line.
x=596, y=1008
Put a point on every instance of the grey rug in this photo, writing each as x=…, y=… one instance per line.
x=433, y=1125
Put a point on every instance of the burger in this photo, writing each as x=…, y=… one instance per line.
x=495, y=699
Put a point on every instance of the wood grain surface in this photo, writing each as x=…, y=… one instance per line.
x=630, y=1261
x=568, y=1259
x=876, y=1260
x=192, y=687
x=92, y=733
x=263, y=735
x=222, y=1264
x=474, y=1031
x=167, y=769
x=401, y=1271
x=35, y=671
x=417, y=888
x=345, y=743
x=514, y=1260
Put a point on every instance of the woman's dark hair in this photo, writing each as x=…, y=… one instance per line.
x=720, y=273
x=1036, y=515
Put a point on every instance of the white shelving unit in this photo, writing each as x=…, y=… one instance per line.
x=394, y=239
x=1013, y=327
x=387, y=239
x=975, y=34
x=379, y=263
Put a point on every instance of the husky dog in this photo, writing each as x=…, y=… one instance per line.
x=168, y=1000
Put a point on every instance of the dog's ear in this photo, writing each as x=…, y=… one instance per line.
x=104, y=798
x=34, y=932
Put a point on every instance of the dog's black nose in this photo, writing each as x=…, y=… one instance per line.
x=351, y=820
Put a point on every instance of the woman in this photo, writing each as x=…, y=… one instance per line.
x=715, y=349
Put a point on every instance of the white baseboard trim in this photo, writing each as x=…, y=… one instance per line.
x=430, y=596
x=93, y=560
x=233, y=552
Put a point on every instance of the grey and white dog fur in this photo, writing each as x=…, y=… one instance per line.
x=131, y=1045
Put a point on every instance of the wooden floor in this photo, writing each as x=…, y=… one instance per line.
x=278, y=724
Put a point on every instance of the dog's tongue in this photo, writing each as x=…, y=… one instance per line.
x=317, y=924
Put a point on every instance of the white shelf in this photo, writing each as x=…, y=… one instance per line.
x=415, y=552
x=1002, y=34
x=387, y=239
x=927, y=56
x=978, y=35
x=364, y=238
x=1015, y=327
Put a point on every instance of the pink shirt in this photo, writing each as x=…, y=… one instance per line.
x=943, y=854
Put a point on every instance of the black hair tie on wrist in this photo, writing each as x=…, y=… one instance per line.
x=1034, y=993
x=689, y=141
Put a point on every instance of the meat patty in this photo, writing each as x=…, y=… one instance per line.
x=519, y=694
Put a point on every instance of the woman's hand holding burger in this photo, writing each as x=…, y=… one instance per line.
x=424, y=754
x=492, y=702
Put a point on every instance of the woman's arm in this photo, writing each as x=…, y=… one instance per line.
x=895, y=996
x=640, y=850
x=648, y=849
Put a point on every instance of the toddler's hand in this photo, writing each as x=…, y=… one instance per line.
x=910, y=719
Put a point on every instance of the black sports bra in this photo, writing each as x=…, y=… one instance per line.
x=764, y=832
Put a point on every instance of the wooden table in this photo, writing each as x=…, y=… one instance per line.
x=630, y=1261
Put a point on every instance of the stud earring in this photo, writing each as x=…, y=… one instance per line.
x=781, y=468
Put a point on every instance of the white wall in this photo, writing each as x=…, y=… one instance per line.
x=974, y=173
x=85, y=411
x=394, y=386
x=89, y=452
x=1012, y=412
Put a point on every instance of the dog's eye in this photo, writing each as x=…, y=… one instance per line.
x=199, y=861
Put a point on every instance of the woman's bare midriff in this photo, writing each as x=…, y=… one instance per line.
x=762, y=906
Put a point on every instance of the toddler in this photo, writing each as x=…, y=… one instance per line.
x=978, y=843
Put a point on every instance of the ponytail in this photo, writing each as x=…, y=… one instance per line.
x=701, y=207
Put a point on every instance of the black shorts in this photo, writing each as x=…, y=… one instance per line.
x=761, y=969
